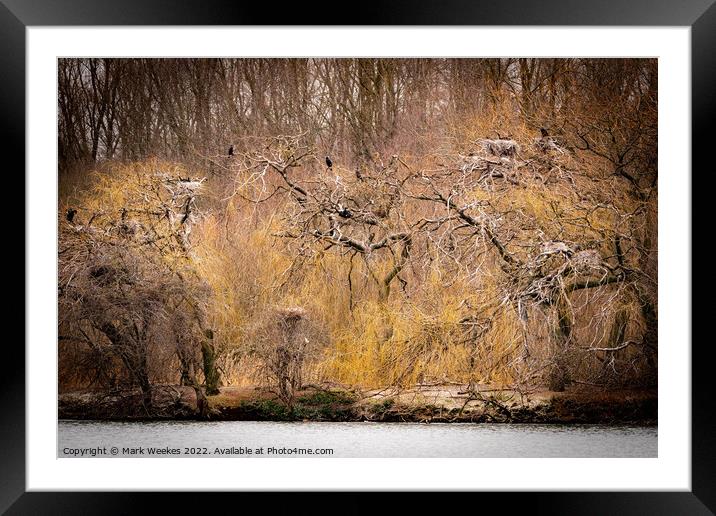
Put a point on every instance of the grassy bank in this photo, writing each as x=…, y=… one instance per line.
x=444, y=404
x=423, y=404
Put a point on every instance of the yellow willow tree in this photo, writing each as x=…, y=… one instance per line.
x=358, y=215
x=530, y=218
x=551, y=224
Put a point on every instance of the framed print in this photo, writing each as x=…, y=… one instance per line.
x=435, y=249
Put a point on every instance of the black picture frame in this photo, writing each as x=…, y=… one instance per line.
x=17, y=15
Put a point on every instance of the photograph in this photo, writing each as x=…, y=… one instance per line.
x=357, y=257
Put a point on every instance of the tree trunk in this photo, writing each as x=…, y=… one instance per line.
x=559, y=375
x=146, y=393
x=201, y=402
x=616, y=338
x=187, y=369
x=211, y=375
x=135, y=360
x=650, y=340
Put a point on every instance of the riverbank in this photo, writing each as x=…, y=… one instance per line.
x=444, y=404
x=423, y=404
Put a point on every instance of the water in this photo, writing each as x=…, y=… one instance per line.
x=277, y=439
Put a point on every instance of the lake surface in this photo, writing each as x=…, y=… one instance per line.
x=278, y=439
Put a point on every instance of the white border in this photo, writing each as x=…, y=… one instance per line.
x=671, y=470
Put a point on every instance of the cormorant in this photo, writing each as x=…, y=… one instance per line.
x=344, y=212
x=329, y=163
x=231, y=150
x=544, y=132
x=71, y=214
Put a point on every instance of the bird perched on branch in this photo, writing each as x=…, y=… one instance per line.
x=344, y=212
x=231, y=150
x=329, y=163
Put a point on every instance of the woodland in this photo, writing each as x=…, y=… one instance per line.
x=363, y=223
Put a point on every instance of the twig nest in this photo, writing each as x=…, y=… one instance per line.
x=555, y=247
x=293, y=313
x=502, y=148
x=587, y=259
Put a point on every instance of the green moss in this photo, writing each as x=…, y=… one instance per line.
x=318, y=406
x=383, y=406
x=266, y=410
x=328, y=398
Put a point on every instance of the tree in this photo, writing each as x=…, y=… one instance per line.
x=550, y=229
x=125, y=275
x=285, y=340
x=494, y=218
x=351, y=213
